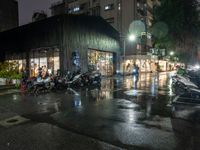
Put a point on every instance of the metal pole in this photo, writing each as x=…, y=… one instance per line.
x=145, y=22
x=124, y=47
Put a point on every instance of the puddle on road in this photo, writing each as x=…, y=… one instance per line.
x=144, y=98
x=149, y=104
x=125, y=104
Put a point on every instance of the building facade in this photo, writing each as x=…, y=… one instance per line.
x=121, y=14
x=65, y=42
x=8, y=14
x=58, y=8
x=107, y=9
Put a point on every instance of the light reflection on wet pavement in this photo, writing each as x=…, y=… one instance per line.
x=124, y=111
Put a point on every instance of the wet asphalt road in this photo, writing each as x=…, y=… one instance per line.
x=124, y=112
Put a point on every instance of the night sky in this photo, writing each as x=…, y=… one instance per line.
x=27, y=7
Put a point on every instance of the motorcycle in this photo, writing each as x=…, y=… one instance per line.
x=59, y=82
x=85, y=79
x=186, y=108
x=94, y=78
x=27, y=85
x=43, y=85
x=182, y=85
x=78, y=79
x=74, y=79
x=194, y=77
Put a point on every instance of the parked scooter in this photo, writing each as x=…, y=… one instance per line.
x=183, y=86
x=94, y=78
x=59, y=82
x=85, y=79
x=27, y=84
x=43, y=84
x=194, y=77
x=78, y=79
x=74, y=79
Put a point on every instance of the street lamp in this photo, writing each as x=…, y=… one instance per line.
x=171, y=53
x=131, y=38
x=172, y=58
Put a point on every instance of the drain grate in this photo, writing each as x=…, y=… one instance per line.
x=12, y=120
x=16, y=120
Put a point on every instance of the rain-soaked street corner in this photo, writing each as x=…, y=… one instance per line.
x=99, y=74
x=123, y=113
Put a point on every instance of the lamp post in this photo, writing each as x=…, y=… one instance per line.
x=131, y=37
x=124, y=53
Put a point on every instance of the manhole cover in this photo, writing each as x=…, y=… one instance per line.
x=16, y=120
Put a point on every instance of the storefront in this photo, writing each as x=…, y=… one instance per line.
x=162, y=65
x=20, y=63
x=65, y=42
x=43, y=58
x=144, y=62
x=17, y=59
x=147, y=63
x=101, y=61
x=48, y=59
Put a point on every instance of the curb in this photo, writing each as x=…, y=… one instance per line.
x=5, y=87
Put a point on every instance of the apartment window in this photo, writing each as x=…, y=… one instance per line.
x=110, y=20
x=109, y=7
x=74, y=9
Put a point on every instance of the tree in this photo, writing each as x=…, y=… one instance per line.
x=182, y=20
x=9, y=70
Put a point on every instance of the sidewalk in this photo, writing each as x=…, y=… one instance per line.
x=8, y=89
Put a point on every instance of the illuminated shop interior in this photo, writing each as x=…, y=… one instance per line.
x=48, y=58
x=102, y=61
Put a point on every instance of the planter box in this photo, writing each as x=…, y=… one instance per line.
x=15, y=81
x=4, y=81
